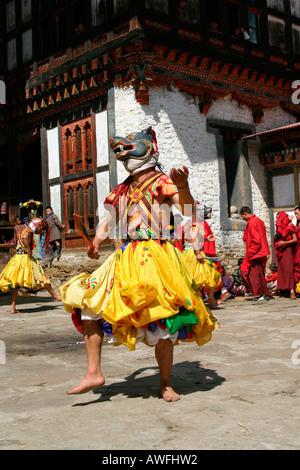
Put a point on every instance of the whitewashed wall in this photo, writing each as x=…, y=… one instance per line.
x=182, y=139
x=55, y=200
x=102, y=178
x=54, y=170
x=101, y=138
x=102, y=181
x=53, y=153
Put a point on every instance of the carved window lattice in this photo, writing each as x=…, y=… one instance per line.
x=77, y=147
x=77, y=159
x=88, y=145
x=79, y=199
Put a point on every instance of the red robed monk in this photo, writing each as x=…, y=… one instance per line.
x=297, y=252
x=257, y=250
x=284, y=242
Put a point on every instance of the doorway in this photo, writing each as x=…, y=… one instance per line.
x=31, y=172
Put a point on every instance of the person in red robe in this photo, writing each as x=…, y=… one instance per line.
x=209, y=248
x=284, y=241
x=297, y=252
x=245, y=270
x=257, y=250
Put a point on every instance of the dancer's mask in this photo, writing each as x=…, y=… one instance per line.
x=137, y=151
x=36, y=224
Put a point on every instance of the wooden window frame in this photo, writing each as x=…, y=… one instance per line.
x=88, y=218
x=77, y=153
x=78, y=166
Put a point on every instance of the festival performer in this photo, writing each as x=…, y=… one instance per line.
x=284, y=241
x=32, y=208
x=18, y=227
x=143, y=291
x=297, y=252
x=257, y=250
x=23, y=272
x=204, y=272
x=209, y=248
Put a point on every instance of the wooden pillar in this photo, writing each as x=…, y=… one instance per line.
x=44, y=167
x=66, y=209
x=83, y=148
x=74, y=150
x=65, y=153
x=86, y=205
x=113, y=176
x=75, y=189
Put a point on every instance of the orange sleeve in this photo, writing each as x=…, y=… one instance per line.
x=165, y=185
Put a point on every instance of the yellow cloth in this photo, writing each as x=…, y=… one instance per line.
x=144, y=283
x=23, y=271
x=204, y=273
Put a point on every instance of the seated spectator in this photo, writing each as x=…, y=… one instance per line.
x=238, y=284
x=271, y=279
x=227, y=291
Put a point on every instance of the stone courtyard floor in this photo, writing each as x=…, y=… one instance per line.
x=240, y=391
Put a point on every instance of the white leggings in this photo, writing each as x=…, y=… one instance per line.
x=151, y=337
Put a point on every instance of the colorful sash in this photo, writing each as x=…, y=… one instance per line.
x=136, y=201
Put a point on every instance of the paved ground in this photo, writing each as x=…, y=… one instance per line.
x=240, y=391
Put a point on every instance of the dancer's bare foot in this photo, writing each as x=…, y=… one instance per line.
x=87, y=384
x=169, y=394
x=14, y=311
x=54, y=295
x=212, y=301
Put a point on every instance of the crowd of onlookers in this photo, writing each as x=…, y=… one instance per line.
x=253, y=279
x=282, y=277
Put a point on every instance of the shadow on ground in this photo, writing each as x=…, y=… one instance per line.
x=187, y=377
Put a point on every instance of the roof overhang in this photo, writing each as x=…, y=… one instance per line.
x=290, y=131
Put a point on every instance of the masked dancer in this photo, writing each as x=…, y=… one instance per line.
x=23, y=272
x=143, y=291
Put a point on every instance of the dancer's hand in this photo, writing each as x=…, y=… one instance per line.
x=199, y=256
x=93, y=253
x=179, y=176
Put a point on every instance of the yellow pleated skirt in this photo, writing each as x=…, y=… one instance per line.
x=204, y=273
x=143, y=284
x=23, y=272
